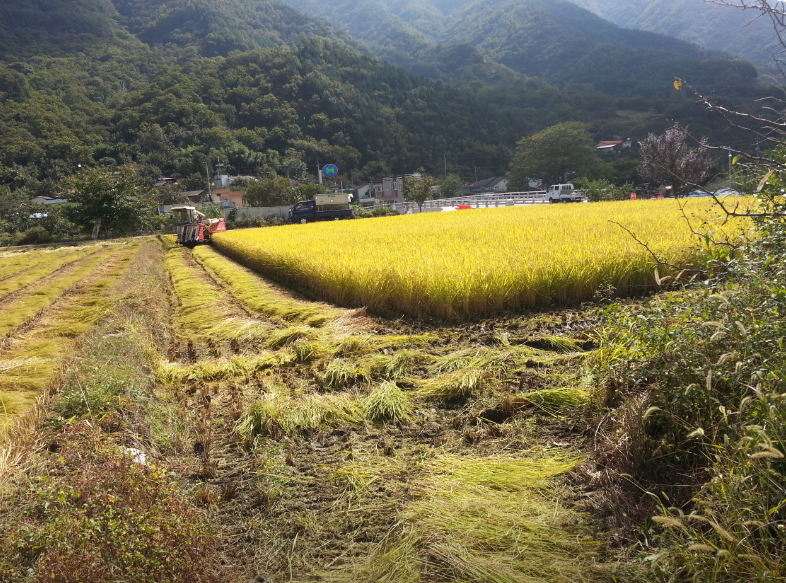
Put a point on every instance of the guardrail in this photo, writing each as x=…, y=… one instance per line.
x=491, y=200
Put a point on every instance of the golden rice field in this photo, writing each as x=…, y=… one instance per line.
x=472, y=263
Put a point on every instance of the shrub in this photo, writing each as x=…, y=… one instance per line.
x=101, y=516
x=32, y=236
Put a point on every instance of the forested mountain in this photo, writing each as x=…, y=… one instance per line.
x=54, y=27
x=175, y=86
x=552, y=39
x=704, y=23
x=218, y=28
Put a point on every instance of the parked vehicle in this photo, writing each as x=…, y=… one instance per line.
x=324, y=207
x=194, y=228
x=563, y=193
x=726, y=192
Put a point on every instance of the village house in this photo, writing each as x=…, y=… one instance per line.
x=495, y=184
x=48, y=200
x=364, y=195
x=390, y=191
x=230, y=199
x=613, y=146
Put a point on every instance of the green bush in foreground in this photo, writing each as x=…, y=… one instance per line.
x=99, y=516
x=698, y=379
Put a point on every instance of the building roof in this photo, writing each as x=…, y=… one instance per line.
x=489, y=182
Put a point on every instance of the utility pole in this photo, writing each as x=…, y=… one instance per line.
x=319, y=173
x=207, y=173
x=445, y=157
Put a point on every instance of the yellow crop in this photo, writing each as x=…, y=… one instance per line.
x=471, y=263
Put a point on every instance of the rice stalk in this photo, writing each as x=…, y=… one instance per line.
x=387, y=403
x=260, y=297
x=556, y=401
x=204, y=311
x=342, y=373
x=277, y=415
x=454, y=385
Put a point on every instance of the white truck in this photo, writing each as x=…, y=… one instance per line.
x=563, y=193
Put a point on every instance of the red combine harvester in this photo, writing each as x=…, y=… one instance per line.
x=193, y=228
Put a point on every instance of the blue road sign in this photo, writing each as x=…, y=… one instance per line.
x=329, y=170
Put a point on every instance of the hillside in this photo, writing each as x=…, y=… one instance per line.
x=175, y=86
x=62, y=27
x=565, y=44
x=706, y=24
x=219, y=28
x=54, y=26
x=555, y=40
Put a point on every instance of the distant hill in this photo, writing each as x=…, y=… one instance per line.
x=706, y=24
x=213, y=27
x=267, y=87
x=558, y=41
x=218, y=28
x=555, y=40
x=54, y=26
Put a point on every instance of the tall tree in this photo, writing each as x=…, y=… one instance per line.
x=276, y=191
x=418, y=189
x=668, y=159
x=449, y=186
x=551, y=154
x=112, y=199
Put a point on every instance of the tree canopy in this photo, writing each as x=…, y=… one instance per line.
x=112, y=199
x=668, y=159
x=553, y=155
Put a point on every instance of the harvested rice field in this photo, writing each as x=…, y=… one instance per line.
x=173, y=415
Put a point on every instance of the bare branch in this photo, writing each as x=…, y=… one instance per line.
x=657, y=259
